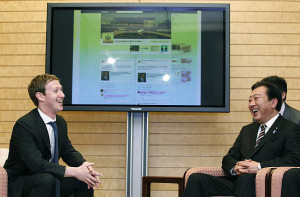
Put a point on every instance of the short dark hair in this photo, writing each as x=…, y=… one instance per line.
x=38, y=84
x=278, y=81
x=272, y=92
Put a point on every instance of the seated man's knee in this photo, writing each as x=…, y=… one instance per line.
x=245, y=185
x=196, y=176
x=292, y=173
x=47, y=179
x=290, y=183
x=247, y=178
x=291, y=176
x=39, y=184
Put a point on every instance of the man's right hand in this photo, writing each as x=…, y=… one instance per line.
x=85, y=173
x=238, y=169
x=246, y=166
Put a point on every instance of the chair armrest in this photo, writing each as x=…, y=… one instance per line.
x=214, y=171
x=262, y=184
x=261, y=177
x=276, y=180
x=147, y=180
x=3, y=182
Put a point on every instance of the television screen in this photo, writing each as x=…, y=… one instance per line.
x=140, y=57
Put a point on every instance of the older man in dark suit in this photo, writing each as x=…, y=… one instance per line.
x=38, y=140
x=269, y=141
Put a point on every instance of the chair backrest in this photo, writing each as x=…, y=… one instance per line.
x=3, y=156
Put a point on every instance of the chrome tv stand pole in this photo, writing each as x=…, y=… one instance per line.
x=137, y=152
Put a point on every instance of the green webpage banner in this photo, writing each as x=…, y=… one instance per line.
x=137, y=57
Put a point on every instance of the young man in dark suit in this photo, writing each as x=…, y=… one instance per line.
x=286, y=111
x=269, y=141
x=38, y=140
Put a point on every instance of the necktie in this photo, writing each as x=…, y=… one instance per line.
x=55, y=157
x=261, y=134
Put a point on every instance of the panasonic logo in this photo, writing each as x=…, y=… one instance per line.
x=136, y=108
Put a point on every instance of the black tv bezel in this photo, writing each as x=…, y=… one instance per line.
x=146, y=108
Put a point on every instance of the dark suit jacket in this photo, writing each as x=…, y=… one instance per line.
x=279, y=147
x=291, y=114
x=29, y=151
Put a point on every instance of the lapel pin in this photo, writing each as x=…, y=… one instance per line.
x=275, y=130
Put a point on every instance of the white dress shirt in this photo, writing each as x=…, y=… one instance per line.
x=47, y=119
x=268, y=125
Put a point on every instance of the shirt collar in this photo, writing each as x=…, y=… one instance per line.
x=271, y=121
x=45, y=118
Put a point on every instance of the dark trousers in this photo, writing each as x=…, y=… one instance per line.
x=203, y=185
x=43, y=184
x=291, y=183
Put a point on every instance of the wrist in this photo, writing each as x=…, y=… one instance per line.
x=70, y=172
x=259, y=166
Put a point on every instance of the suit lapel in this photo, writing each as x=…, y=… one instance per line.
x=287, y=112
x=59, y=133
x=270, y=134
x=41, y=127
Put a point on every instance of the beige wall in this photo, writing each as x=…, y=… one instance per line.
x=265, y=40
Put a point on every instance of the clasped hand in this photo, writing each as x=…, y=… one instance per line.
x=246, y=166
x=87, y=174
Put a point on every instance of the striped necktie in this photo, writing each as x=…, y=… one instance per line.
x=261, y=134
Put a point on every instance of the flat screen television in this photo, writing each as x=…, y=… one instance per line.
x=140, y=56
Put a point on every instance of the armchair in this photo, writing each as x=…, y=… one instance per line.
x=276, y=180
x=262, y=186
x=262, y=180
x=3, y=174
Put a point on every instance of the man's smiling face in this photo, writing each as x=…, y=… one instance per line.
x=52, y=101
x=261, y=108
